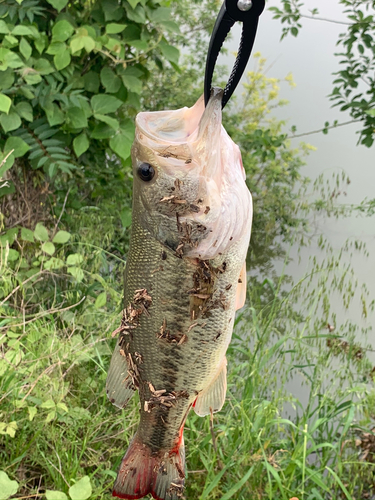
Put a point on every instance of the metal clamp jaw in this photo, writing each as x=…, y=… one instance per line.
x=247, y=12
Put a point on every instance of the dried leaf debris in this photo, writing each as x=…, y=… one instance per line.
x=162, y=398
x=131, y=314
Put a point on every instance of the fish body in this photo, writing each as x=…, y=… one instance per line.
x=184, y=279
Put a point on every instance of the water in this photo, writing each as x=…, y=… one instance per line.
x=310, y=58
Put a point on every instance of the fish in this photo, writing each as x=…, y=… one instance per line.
x=185, y=277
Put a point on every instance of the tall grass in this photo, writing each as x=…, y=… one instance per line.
x=299, y=396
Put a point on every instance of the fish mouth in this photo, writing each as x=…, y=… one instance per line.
x=182, y=126
x=210, y=121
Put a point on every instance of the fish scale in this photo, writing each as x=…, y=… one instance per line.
x=168, y=366
x=185, y=277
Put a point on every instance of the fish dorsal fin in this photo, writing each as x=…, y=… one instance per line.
x=214, y=395
x=241, y=288
x=119, y=384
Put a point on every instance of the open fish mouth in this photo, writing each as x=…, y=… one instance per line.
x=190, y=145
x=191, y=134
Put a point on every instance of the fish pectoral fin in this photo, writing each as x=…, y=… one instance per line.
x=119, y=384
x=214, y=395
x=241, y=288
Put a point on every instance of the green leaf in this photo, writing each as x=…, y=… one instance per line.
x=79, y=42
x=48, y=404
x=40, y=232
x=32, y=412
x=126, y=217
x=171, y=53
x=102, y=131
x=18, y=146
x=62, y=60
x=110, y=80
x=161, y=14
x=55, y=495
x=104, y=104
x=134, y=3
x=113, y=28
x=25, y=111
x=50, y=416
x=62, y=31
x=74, y=259
x=121, y=145
x=171, y=26
x=27, y=235
x=11, y=40
x=91, y=82
x=58, y=4
x=89, y=43
x=128, y=128
x=81, y=144
x=137, y=14
x=139, y=44
x=112, y=122
x=25, y=48
x=76, y=272
x=13, y=60
x=41, y=43
x=49, y=248
x=21, y=29
x=8, y=487
x=10, y=122
x=5, y=164
x=43, y=66
x=55, y=116
x=101, y=300
x=56, y=48
x=53, y=263
x=132, y=83
x=63, y=407
x=13, y=255
x=4, y=30
x=81, y=490
x=370, y=112
x=32, y=78
x=6, y=188
x=76, y=44
x=76, y=118
x=7, y=79
x=61, y=237
x=9, y=236
x=5, y=103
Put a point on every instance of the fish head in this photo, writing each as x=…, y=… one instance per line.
x=189, y=182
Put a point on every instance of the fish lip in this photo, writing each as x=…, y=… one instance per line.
x=212, y=112
x=203, y=117
x=210, y=122
x=217, y=94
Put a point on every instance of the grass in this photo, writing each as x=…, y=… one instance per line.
x=60, y=433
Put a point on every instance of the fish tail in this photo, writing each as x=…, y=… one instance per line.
x=143, y=472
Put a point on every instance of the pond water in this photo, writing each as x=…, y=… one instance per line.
x=310, y=58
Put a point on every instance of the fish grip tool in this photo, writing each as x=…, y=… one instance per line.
x=247, y=12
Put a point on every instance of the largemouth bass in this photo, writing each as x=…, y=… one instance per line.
x=185, y=277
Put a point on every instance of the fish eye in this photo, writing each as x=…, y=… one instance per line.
x=146, y=172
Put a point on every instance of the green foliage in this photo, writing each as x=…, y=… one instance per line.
x=71, y=75
x=7, y=486
x=357, y=59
